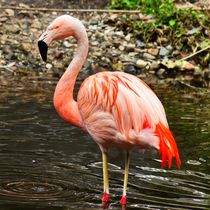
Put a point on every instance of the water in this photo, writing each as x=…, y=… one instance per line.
x=47, y=164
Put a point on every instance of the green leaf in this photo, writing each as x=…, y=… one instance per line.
x=172, y=22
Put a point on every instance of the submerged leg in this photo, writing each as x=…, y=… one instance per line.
x=105, y=197
x=127, y=161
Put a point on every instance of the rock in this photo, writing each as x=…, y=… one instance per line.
x=160, y=73
x=154, y=65
x=26, y=47
x=121, y=48
x=36, y=24
x=130, y=70
x=12, y=28
x=3, y=19
x=163, y=51
x=130, y=47
x=95, y=43
x=140, y=44
x=128, y=38
x=141, y=63
x=67, y=44
x=169, y=47
x=10, y=12
x=162, y=40
x=153, y=51
x=94, y=22
x=148, y=56
x=48, y=65
x=119, y=34
x=24, y=6
x=194, y=31
x=97, y=54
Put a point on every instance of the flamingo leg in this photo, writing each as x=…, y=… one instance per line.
x=127, y=162
x=105, y=198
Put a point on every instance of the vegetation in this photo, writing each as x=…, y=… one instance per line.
x=165, y=14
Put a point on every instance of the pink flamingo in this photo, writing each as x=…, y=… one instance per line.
x=115, y=108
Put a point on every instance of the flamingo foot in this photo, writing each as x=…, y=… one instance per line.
x=123, y=200
x=105, y=198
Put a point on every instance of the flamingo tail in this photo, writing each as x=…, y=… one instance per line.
x=168, y=147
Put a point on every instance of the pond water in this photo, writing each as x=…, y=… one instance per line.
x=46, y=163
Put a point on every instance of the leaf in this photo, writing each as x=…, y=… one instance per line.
x=172, y=22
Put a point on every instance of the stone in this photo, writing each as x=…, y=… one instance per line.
x=10, y=12
x=3, y=19
x=140, y=44
x=36, y=24
x=130, y=47
x=12, y=28
x=130, y=69
x=154, y=65
x=97, y=54
x=121, y=48
x=26, y=47
x=160, y=73
x=128, y=38
x=48, y=65
x=67, y=44
x=141, y=63
x=163, y=51
x=153, y=51
x=148, y=56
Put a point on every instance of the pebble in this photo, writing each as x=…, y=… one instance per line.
x=154, y=65
x=163, y=51
x=10, y=12
x=148, y=56
x=140, y=44
x=26, y=47
x=153, y=51
x=130, y=47
x=48, y=65
x=121, y=48
x=160, y=73
x=12, y=28
x=128, y=38
x=67, y=44
x=130, y=70
x=141, y=63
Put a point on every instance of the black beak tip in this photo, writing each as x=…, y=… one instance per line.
x=43, y=49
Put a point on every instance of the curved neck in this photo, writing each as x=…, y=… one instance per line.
x=63, y=97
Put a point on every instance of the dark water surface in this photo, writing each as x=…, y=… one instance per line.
x=47, y=164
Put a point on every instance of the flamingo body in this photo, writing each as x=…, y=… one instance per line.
x=120, y=110
x=115, y=108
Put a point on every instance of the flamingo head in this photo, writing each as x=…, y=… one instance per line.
x=61, y=28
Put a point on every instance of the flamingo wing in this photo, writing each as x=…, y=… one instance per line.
x=120, y=109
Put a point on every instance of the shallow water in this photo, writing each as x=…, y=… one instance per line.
x=47, y=164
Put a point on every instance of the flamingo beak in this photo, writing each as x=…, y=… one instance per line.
x=43, y=47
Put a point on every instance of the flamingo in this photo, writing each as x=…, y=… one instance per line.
x=117, y=109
